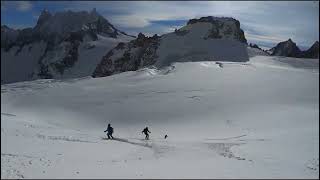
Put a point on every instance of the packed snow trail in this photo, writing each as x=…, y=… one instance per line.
x=258, y=119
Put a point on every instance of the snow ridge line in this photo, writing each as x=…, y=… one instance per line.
x=227, y=137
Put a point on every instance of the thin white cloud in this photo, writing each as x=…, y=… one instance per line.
x=23, y=5
x=129, y=21
x=269, y=22
x=265, y=38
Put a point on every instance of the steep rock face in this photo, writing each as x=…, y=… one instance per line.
x=66, y=37
x=66, y=59
x=8, y=36
x=270, y=51
x=290, y=49
x=313, y=51
x=205, y=39
x=62, y=23
x=287, y=48
x=222, y=28
x=129, y=56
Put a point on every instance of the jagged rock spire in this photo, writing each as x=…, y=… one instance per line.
x=44, y=16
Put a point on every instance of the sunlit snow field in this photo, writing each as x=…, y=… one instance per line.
x=258, y=119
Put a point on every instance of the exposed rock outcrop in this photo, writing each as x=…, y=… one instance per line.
x=287, y=48
x=223, y=27
x=313, y=51
x=204, y=39
x=129, y=56
x=61, y=35
x=290, y=49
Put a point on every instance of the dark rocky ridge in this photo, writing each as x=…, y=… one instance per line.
x=62, y=33
x=142, y=52
x=290, y=49
x=255, y=46
x=58, y=27
x=287, y=48
x=144, y=55
x=313, y=51
x=219, y=23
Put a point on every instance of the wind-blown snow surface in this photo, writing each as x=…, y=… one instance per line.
x=258, y=119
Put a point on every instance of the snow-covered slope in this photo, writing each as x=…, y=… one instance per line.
x=200, y=42
x=204, y=39
x=255, y=119
x=256, y=52
x=61, y=45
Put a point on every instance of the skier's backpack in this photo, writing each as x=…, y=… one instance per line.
x=111, y=130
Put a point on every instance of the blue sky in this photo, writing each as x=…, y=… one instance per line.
x=264, y=22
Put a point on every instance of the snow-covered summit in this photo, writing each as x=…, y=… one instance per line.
x=62, y=45
x=69, y=21
x=206, y=39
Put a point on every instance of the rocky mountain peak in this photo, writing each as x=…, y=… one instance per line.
x=313, y=51
x=208, y=38
x=287, y=48
x=94, y=12
x=212, y=19
x=290, y=49
x=141, y=36
x=44, y=16
x=289, y=42
x=221, y=28
x=4, y=27
x=315, y=45
x=55, y=28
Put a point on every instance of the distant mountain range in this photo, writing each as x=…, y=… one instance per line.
x=290, y=49
x=61, y=45
x=77, y=44
x=205, y=39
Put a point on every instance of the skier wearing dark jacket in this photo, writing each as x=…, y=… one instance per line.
x=110, y=131
x=146, y=131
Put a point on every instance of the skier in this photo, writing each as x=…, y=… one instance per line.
x=110, y=131
x=145, y=131
x=165, y=136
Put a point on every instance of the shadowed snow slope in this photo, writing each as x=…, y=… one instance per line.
x=255, y=119
x=197, y=44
